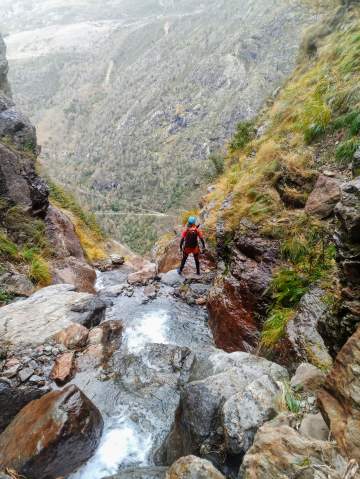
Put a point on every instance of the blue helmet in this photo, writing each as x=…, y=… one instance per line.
x=192, y=220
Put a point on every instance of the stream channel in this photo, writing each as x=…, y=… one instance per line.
x=139, y=398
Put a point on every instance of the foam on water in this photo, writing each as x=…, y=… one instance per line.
x=150, y=328
x=123, y=444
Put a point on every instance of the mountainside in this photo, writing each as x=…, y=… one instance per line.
x=249, y=370
x=129, y=99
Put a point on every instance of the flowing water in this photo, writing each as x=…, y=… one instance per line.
x=138, y=404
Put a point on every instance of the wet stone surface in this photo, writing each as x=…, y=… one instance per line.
x=138, y=391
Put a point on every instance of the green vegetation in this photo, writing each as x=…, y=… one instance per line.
x=310, y=257
x=244, y=133
x=346, y=150
x=5, y=297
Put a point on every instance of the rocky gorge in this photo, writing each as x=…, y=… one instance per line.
x=117, y=367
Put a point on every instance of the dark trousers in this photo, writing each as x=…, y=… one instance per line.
x=197, y=261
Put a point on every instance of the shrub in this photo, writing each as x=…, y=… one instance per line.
x=313, y=132
x=218, y=163
x=5, y=297
x=288, y=287
x=243, y=135
x=274, y=326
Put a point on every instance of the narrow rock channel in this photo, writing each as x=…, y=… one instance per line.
x=139, y=390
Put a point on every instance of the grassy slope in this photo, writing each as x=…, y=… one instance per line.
x=313, y=125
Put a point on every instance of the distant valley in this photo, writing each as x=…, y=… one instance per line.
x=131, y=97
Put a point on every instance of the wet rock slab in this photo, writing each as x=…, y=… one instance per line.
x=48, y=311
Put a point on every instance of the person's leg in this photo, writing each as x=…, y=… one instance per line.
x=197, y=262
x=183, y=262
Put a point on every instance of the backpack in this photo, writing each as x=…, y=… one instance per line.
x=191, y=238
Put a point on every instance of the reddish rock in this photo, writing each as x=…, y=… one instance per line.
x=63, y=369
x=238, y=300
x=73, y=337
x=324, y=197
x=74, y=271
x=52, y=436
x=340, y=399
x=231, y=320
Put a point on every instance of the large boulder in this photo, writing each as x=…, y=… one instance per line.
x=46, y=313
x=302, y=330
x=69, y=265
x=192, y=467
x=280, y=452
x=340, y=398
x=245, y=412
x=324, y=197
x=52, y=436
x=239, y=299
x=205, y=420
x=13, y=399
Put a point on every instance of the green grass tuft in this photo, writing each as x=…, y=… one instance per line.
x=346, y=150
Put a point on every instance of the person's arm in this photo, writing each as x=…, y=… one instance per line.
x=183, y=236
x=202, y=240
x=182, y=243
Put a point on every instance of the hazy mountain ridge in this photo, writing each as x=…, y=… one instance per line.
x=128, y=110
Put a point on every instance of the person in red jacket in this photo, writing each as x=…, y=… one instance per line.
x=190, y=244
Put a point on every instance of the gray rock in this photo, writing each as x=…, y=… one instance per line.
x=245, y=412
x=192, y=467
x=48, y=311
x=307, y=378
x=25, y=374
x=172, y=278
x=314, y=426
x=348, y=210
x=302, y=331
x=17, y=284
x=215, y=379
